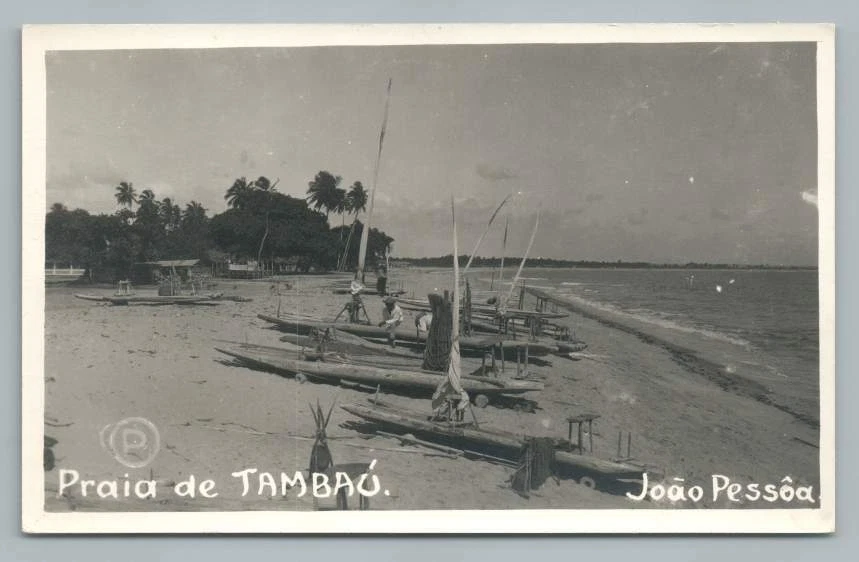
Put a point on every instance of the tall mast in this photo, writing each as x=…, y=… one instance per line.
x=521, y=265
x=483, y=234
x=503, y=252
x=365, y=235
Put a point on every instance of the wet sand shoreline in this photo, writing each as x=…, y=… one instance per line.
x=689, y=358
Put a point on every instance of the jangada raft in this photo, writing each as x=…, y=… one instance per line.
x=469, y=437
x=472, y=344
x=417, y=304
x=373, y=376
x=349, y=343
x=412, y=363
x=153, y=299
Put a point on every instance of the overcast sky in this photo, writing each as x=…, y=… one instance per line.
x=666, y=153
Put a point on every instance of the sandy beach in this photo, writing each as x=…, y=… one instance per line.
x=107, y=363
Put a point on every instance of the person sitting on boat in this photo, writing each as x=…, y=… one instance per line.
x=392, y=316
x=423, y=323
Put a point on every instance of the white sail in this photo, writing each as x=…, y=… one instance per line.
x=365, y=235
x=452, y=384
x=453, y=371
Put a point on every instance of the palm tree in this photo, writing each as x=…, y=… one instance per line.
x=264, y=184
x=170, y=214
x=356, y=202
x=125, y=194
x=148, y=210
x=339, y=202
x=194, y=213
x=237, y=194
x=356, y=199
x=323, y=192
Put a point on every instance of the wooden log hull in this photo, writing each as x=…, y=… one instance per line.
x=504, y=444
x=370, y=292
x=154, y=299
x=412, y=363
x=392, y=378
x=302, y=326
x=417, y=304
x=359, y=347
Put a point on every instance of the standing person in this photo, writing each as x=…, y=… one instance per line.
x=392, y=316
x=382, y=280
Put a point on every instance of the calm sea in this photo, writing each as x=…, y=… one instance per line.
x=772, y=314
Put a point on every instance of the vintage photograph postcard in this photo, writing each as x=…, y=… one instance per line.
x=241, y=310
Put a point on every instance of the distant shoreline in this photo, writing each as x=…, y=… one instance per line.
x=447, y=261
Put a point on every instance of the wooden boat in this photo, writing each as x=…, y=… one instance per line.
x=502, y=444
x=482, y=325
x=411, y=362
x=370, y=292
x=153, y=299
x=392, y=378
x=348, y=343
x=417, y=304
x=468, y=344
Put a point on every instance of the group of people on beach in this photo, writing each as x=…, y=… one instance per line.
x=392, y=314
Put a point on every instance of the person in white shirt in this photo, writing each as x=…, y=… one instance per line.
x=392, y=316
x=423, y=323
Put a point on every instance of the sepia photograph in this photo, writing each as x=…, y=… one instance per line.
x=428, y=279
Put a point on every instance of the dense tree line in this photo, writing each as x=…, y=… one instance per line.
x=260, y=224
x=478, y=261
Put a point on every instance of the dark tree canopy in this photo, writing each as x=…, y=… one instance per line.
x=259, y=223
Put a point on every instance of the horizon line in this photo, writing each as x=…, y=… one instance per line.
x=638, y=263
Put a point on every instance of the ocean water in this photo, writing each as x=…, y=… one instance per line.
x=769, y=318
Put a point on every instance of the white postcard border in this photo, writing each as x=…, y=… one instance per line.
x=37, y=40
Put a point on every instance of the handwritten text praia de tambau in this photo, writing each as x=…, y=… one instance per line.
x=253, y=481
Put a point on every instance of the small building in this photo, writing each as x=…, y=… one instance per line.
x=248, y=270
x=251, y=269
x=285, y=265
x=147, y=273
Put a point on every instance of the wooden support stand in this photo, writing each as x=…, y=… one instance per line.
x=491, y=355
x=580, y=420
x=354, y=308
x=620, y=456
x=522, y=362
